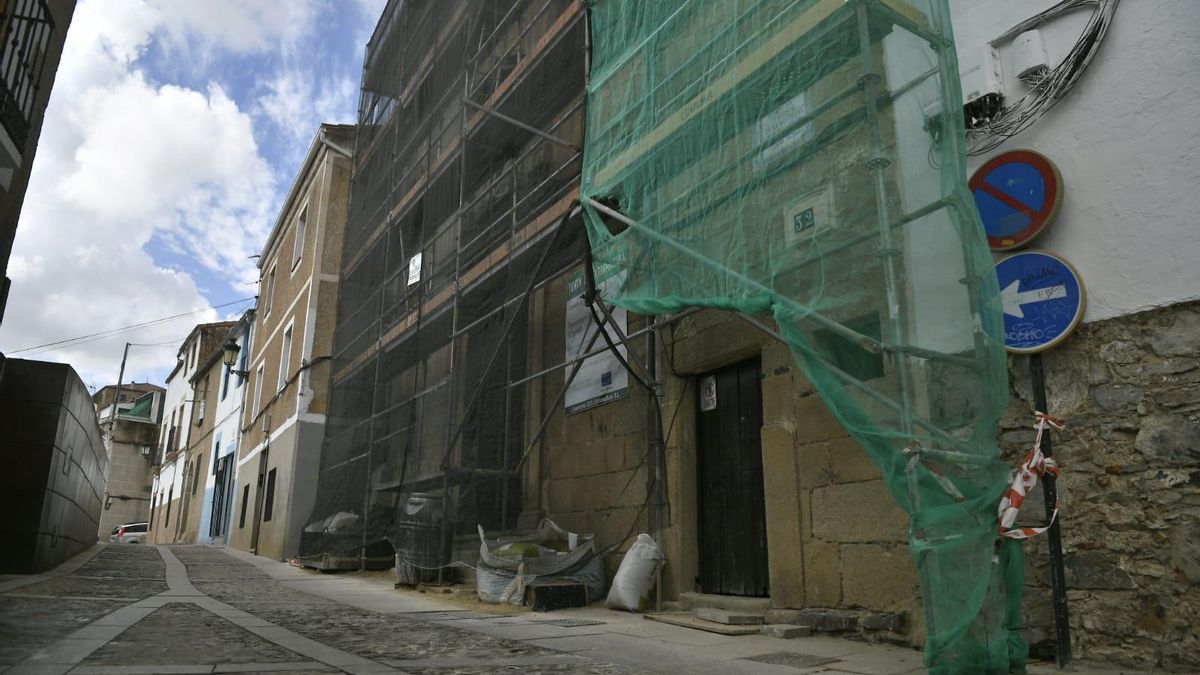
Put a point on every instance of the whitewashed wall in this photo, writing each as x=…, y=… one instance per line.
x=1127, y=141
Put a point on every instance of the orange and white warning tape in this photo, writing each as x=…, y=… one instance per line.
x=1035, y=467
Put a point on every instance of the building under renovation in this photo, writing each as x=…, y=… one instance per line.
x=462, y=326
x=528, y=170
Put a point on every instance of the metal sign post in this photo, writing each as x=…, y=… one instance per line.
x=1058, y=580
x=1043, y=298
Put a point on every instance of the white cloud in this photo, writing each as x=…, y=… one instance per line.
x=124, y=161
x=296, y=103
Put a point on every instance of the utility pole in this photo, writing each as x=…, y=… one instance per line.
x=112, y=416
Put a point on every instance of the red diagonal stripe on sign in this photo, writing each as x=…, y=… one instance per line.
x=1008, y=200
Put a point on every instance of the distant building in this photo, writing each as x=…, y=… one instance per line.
x=54, y=464
x=221, y=474
x=284, y=417
x=130, y=435
x=175, y=474
x=130, y=391
x=31, y=41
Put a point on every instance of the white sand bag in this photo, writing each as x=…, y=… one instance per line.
x=636, y=576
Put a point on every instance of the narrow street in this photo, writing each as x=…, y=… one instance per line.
x=126, y=610
x=193, y=609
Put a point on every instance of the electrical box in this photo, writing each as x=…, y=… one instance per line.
x=1029, y=55
x=982, y=84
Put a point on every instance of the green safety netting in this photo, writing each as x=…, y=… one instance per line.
x=804, y=160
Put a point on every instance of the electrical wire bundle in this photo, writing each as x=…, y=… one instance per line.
x=1048, y=87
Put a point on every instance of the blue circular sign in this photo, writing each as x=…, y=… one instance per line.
x=1043, y=299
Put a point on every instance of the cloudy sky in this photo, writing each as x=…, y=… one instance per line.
x=174, y=129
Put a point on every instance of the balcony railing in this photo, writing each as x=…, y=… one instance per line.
x=26, y=26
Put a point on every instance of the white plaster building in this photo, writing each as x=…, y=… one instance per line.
x=221, y=475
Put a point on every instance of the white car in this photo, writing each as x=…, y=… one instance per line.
x=129, y=533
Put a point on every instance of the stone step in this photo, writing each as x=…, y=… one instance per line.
x=689, y=621
x=727, y=617
x=786, y=631
x=733, y=603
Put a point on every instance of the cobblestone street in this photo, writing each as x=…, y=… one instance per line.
x=190, y=609
x=144, y=610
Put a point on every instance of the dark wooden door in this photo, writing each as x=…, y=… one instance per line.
x=733, y=529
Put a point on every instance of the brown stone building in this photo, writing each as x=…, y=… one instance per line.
x=284, y=412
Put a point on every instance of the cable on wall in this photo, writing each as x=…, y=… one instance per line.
x=1051, y=86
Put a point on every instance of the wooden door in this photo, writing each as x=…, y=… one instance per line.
x=733, y=530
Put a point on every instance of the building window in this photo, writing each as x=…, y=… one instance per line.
x=258, y=378
x=243, y=360
x=196, y=474
x=27, y=29
x=268, y=292
x=153, y=511
x=285, y=357
x=301, y=228
x=245, y=500
x=269, y=499
x=170, y=498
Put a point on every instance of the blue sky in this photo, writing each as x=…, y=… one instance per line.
x=174, y=130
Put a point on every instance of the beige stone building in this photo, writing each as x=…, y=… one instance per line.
x=131, y=435
x=288, y=369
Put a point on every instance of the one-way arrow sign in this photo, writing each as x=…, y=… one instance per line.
x=1013, y=297
x=1043, y=300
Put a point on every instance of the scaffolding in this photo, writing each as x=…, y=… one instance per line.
x=803, y=161
x=467, y=166
x=708, y=125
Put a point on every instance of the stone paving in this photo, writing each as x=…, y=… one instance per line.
x=189, y=609
x=130, y=610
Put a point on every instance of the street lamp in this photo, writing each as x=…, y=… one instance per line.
x=230, y=357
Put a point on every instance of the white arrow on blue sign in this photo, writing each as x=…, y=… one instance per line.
x=1043, y=299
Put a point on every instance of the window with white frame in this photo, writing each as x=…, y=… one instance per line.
x=258, y=378
x=301, y=228
x=268, y=291
x=285, y=356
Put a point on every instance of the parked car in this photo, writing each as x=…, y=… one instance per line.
x=129, y=533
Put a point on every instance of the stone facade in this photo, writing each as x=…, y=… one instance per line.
x=836, y=540
x=283, y=416
x=130, y=474
x=590, y=471
x=1129, y=391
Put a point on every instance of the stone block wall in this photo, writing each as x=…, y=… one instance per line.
x=1129, y=390
x=590, y=471
x=835, y=538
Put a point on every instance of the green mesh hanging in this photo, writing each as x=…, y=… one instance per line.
x=804, y=160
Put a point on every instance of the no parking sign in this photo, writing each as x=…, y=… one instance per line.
x=1017, y=194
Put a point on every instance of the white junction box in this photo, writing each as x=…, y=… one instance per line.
x=979, y=69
